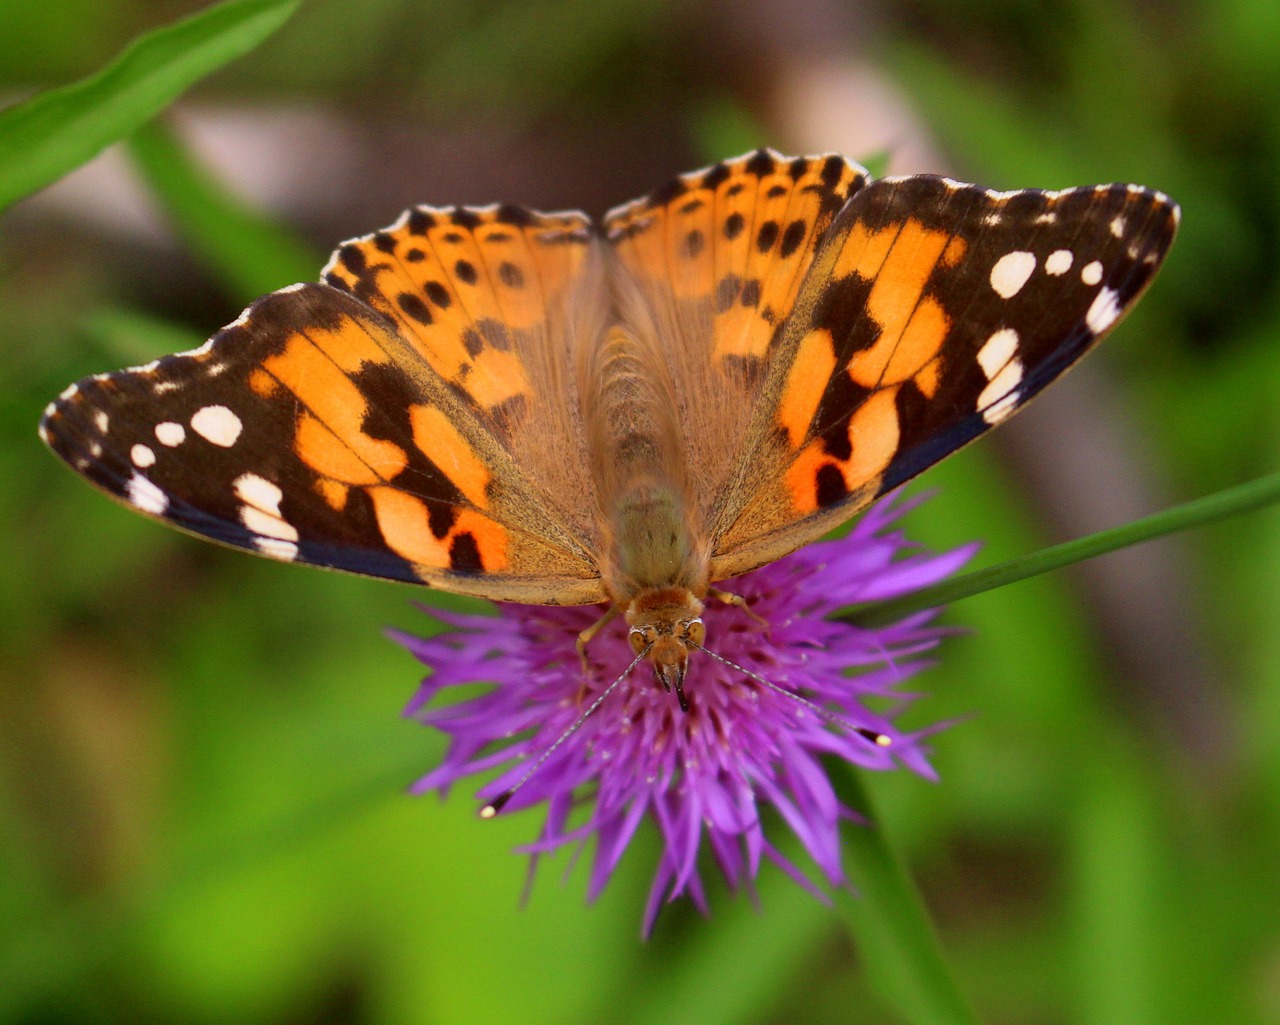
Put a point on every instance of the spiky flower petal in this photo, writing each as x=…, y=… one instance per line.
x=704, y=773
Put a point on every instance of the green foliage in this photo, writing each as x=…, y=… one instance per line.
x=45, y=137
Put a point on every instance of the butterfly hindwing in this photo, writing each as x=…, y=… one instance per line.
x=933, y=310
x=715, y=259
x=310, y=430
x=496, y=300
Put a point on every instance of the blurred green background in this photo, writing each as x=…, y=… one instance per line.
x=202, y=765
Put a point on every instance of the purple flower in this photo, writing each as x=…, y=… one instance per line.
x=706, y=772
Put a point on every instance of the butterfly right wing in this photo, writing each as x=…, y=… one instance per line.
x=312, y=430
x=933, y=310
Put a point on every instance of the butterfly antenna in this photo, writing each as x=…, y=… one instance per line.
x=879, y=739
x=498, y=803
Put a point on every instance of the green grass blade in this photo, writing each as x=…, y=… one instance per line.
x=1196, y=513
x=895, y=939
x=56, y=131
x=250, y=253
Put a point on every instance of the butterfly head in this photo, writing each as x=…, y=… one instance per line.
x=665, y=625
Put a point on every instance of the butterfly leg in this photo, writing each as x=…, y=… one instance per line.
x=736, y=600
x=589, y=634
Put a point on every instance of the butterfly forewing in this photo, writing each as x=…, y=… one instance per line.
x=932, y=312
x=310, y=430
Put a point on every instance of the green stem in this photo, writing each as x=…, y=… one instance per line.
x=1199, y=512
x=891, y=928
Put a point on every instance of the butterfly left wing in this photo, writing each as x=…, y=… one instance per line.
x=932, y=311
x=313, y=430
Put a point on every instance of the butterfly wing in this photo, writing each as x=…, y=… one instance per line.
x=357, y=424
x=499, y=301
x=932, y=311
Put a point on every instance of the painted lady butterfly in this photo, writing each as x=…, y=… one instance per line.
x=529, y=407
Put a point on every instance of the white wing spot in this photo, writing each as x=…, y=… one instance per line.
x=1059, y=262
x=1117, y=226
x=95, y=450
x=160, y=387
x=101, y=421
x=1048, y=217
x=997, y=412
x=277, y=548
x=1011, y=271
x=261, y=510
x=999, y=388
x=258, y=492
x=217, y=424
x=69, y=392
x=267, y=525
x=146, y=496
x=1091, y=272
x=170, y=434
x=1103, y=311
x=142, y=456
x=998, y=350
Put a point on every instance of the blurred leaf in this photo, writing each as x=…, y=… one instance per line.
x=129, y=336
x=1113, y=901
x=56, y=131
x=739, y=970
x=895, y=937
x=251, y=254
x=723, y=127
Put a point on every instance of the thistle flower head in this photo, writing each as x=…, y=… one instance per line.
x=700, y=775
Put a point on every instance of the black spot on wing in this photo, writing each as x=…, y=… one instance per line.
x=438, y=294
x=668, y=192
x=792, y=237
x=727, y=291
x=517, y=216
x=511, y=275
x=464, y=554
x=419, y=222
x=716, y=177
x=465, y=217
x=830, y=485
x=760, y=164
x=413, y=305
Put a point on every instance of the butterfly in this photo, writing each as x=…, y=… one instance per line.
x=531, y=407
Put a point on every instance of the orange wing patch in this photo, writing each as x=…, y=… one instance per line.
x=905, y=330
x=899, y=260
x=739, y=235
x=469, y=288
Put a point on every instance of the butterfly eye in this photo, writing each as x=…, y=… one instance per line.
x=695, y=630
x=640, y=639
